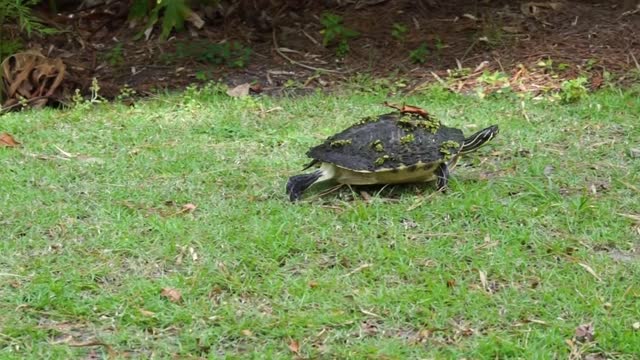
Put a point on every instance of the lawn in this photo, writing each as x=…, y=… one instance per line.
x=163, y=230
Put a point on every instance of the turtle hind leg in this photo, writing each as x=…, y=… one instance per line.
x=442, y=177
x=299, y=183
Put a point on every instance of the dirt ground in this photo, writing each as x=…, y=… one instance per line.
x=537, y=44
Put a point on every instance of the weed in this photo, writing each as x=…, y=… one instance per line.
x=115, y=56
x=495, y=78
x=399, y=32
x=573, y=90
x=419, y=54
x=459, y=72
x=334, y=32
x=126, y=93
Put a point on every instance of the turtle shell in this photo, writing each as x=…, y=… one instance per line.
x=388, y=142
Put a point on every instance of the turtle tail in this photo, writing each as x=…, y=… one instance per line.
x=299, y=183
x=478, y=139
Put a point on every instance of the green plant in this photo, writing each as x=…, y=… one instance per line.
x=115, y=56
x=335, y=32
x=79, y=102
x=126, y=93
x=171, y=13
x=399, y=31
x=231, y=54
x=550, y=67
x=459, y=72
x=18, y=11
x=8, y=47
x=573, y=90
x=419, y=54
x=493, y=78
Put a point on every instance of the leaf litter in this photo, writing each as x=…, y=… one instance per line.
x=7, y=140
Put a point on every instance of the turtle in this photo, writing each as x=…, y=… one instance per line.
x=398, y=147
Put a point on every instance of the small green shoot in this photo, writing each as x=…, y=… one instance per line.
x=419, y=54
x=573, y=90
x=399, y=32
x=334, y=32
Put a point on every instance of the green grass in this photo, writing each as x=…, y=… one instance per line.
x=88, y=241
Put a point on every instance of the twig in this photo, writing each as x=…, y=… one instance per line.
x=359, y=268
x=469, y=49
x=29, y=101
x=275, y=44
x=311, y=38
x=366, y=312
x=590, y=271
x=13, y=275
x=329, y=191
x=439, y=79
x=635, y=60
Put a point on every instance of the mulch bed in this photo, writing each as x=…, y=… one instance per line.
x=536, y=45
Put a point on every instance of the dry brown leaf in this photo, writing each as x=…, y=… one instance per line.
x=195, y=19
x=6, y=140
x=31, y=76
x=294, y=346
x=240, y=90
x=172, y=295
x=313, y=284
x=585, y=332
x=408, y=109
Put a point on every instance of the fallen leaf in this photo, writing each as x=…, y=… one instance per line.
x=483, y=280
x=294, y=346
x=172, y=295
x=585, y=332
x=408, y=109
x=147, y=313
x=247, y=332
x=636, y=325
x=7, y=140
x=634, y=153
x=188, y=207
x=240, y=90
x=313, y=284
x=194, y=254
x=257, y=88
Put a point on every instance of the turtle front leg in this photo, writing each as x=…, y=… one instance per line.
x=442, y=175
x=299, y=183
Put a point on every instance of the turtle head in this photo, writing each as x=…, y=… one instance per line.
x=478, y=139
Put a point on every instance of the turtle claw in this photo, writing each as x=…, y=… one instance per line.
x=442, y=174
